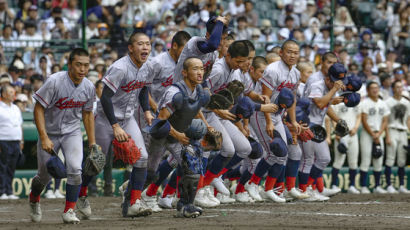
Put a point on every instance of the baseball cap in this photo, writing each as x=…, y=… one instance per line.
x=377, y=150
x=33, y=7
x=342, y=147
x=256, y=151
x=210, y=24
x=351, y=99
x=303, y=103
x=245, y=108
x=22, y=97
x=5, y=79
x=158, y=129
x=277, y=146
x=285, y=98
x=102, y=26
x=337, y=72
x=284, y=32
x=354, y=83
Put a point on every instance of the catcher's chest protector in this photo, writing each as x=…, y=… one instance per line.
x=186, y=108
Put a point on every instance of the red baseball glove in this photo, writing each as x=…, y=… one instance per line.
x=126, y=151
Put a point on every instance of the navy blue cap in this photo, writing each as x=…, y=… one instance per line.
x=158, y=129
x=354, y=83
x=245, y=108
x=285, y=98
x=277, y=146
x=303, y=103
x=337, y=72
x=257, y=150
x=351, y=99
x=56, y=168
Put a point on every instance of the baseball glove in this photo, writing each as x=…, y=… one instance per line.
x=319, y=133
x=306, y=135
x=236, y=88
x=95, y=161
x=212, y=140
x=126, y=151
x=341, y=128
x=221, y=100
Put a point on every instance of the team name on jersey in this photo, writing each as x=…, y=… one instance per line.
x=168, y=82
x=65, y=103
x=133, y=85
x=287, y=85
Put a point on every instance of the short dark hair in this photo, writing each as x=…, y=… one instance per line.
x=134, y=37
x=4, y=88
x=288, y=42
x=370, y=83
x=180, y=38
x=230, y=37
x=185, y=65
x=238, y=49
x=98, y=82
x=58, y=19
x=7, y=26
x=289, y=18
x=328, y=55
x=250, y=45
x=242, y=18
x=77, y=52
x=394, y=83
x=36, y=77
x=258, y=61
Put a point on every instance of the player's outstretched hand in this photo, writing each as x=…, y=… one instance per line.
x=269, y=108
x=148, y=117
x=225, y=114
x=119, y=133
x=47, y=145
x=269, y=129
x=182, y=138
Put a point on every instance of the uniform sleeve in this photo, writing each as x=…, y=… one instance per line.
x=214, y=78
x=113, y=78
x=316, y=90
x=166, y=101
x=363, y=107
x=90, y=103
x=270, y=79
x=45, y=95
x=387, y=109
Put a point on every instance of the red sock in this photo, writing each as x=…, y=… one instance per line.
x=34, y=199
x=83, y=191
x=68, y=205
x=314, y=186
x=135, y=195
x=209, y=177
x=239, y=188
x=177, y=190
x=281, y=186
x=290, y=182
x=152, y=190
x=215, y=192
x=319, y=184
x=269, y=183
x=310, y=181
x=223, y=171
x=303, y=187
x=168, y=190
x=200, y=183
x=255, y=179
x=234, y=178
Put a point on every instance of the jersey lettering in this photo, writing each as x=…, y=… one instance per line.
x=287, y=85
x=168, y=82
x=64, y=103
x=133, y=85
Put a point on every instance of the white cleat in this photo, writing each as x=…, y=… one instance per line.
x=4, y=197
x=297, y=194
x=166, y=202
x=331, y=192
x=390, y=189
x=201, y=199
x=224, y=199
x=209, y=193
x=138, y=209
x=13, y=197
x=49, y=194
x=379, y=190
x=253, y=190
x=84, y=207
x=364, y=190
x=220, y=186
x=271, y=195
x=69, y=217
x=35, y=212
x=353, y=190
x=58, y=195
x=403, y=190
x=150, y=201
x=242, y=197
x=320, y=197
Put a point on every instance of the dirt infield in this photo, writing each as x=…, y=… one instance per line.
x=342, y=211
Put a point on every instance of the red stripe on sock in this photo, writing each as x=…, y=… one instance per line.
x=168, y=190
x=269, y=183
x=68, y=205
x=135, y=195
x=152, y=190
x=209, y=177
x=290, y=182
x=240, y=188
x=223, y=171
x=83, y=191
x=255, y=179
x=319, y=184
x=34, y=199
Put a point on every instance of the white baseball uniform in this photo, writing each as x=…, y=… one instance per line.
x=123, y=79
x=376, y=111
x=348, y=114
x=63, y=104
x=397, y=130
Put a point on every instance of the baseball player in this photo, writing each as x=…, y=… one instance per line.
x=63, y=100
x=321, y=88
x=396, y=135
x=276, y=76
x=115, y=119
x=375, y=116
x=204, y=48
x=347, y=146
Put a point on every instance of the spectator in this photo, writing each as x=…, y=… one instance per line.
x=92, y=27
x=236, y=8
x=32, y=15
x=312, y=31
x=45, y=33
x=56, y=13
x=289, y=23
x=7, y=14
x=250, y=14
x=59, y=30
x=21, y=102
x=72, y=13
x=399, y=75
x=347, y=38
x=59, y=3
x=31, y=38
x=307, y=52
x=7, y=41
x=11, y=140
x=378, y=46
x=322, y=41
x=99, y=67
x=268, y=35
x=23, y=13
x=102, y=34
x=47, y=5
x=16, y=71
x=243, y=32
x=385, y=89
x=283, y=34
x=367, y=75
x=311, y=9
x=288, y=12
x=364, y=49
x=353, y=68
x=391, y=60
x=344, y=57
x=55, y=68
x=43, y=67
x=399, y=33
x=18, y=28
x=298, y=36
x=5, y=79
x=342, y=20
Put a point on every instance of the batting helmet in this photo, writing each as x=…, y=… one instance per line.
x=56, y=168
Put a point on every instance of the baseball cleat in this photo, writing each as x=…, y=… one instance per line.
x=379, y=190
x=209, y=193
x=166, y=202
x=202, y=200
x=83, y=206
x=58, y=195
x=150, y=201
x=320, y=197
x=390, y=189
x=297, y=194
x=364, y=190
x=189, y=211
x=138, y=209
x=224, y=199
x=253, y=190
x=49, y=194
x=69, y=217
x=220, y=186
x=35, y=212
x=331, y=192
x=403, y=190
x=353, y=190
x=13, y=197
x=242, y=197
x=271, y=195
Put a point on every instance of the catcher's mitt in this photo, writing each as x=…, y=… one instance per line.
x=236, y=88
x=95, y=161
x=377, y=151
x=221, y=100
x=319, y=133
x=306, y=135
x=126, y=151
x=212, y=140
x=341, y=128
